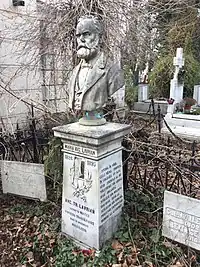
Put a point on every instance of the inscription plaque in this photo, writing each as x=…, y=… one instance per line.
x=80, y=193
x=92, y=194
x=111, y=187
x=181, y=219
x=24, y=179
x=79, y=149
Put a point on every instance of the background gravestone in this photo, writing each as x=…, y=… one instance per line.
x=181, y=219
x=24, y=179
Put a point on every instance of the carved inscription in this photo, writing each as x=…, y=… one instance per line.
x=79, y=209
x=80, y=150
x=79, y=215
x=111, y=195
x=181, y=219
x=25, y=179
x=189, y=226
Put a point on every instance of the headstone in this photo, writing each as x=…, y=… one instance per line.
x=143, y=92
x=92, y=181
x=176, y=87
x=23, y=179
x=196, y=93
x=181, y=219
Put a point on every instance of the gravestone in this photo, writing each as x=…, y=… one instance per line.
x=196, y=93
x=23, y=179
x=176, y=86
x=143, y=92
x=92, y=198
x=181, y=219
x=183, y=125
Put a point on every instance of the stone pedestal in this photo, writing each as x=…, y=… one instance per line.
x=143, y=92
x=176, y=90
x=92, y=181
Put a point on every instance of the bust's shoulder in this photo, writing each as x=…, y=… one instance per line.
x=109, y=63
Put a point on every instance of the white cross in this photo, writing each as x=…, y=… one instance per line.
x=178, y=61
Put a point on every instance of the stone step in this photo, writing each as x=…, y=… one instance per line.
x=183, y=120
x=184, y=132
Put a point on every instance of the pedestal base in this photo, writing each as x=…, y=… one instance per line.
x=92, y=181
x=95, y=122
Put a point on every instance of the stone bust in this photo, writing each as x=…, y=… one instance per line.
x=96, y=77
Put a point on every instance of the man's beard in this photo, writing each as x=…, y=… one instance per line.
x=86, y=53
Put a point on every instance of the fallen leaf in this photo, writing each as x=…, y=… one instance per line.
x=29, y=255
x=120, y=256
x=148, y=264
x=167, y=244
x=117, y=245
x=131, y=260
x=178, y=264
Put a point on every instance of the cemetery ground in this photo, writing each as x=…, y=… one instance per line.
x=30, y=230
x=30, y=236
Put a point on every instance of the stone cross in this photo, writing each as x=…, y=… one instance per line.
x=178, y=62
x=176, y=86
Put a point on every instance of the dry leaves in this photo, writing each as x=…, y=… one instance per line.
x=24, y=236
x=123, y=259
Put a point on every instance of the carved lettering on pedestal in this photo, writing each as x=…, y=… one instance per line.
x=80, y=150
x=79, y=215
x=111, y=195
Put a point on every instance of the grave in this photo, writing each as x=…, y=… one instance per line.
x=92, y=197
x=144, y=102
x=183, y=125
x=196, y=93
x=143, y=92
x=181, y=219
x=23, y=179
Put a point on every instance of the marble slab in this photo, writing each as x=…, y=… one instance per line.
x=181, y=219
x=23, y=179
x=92, y=197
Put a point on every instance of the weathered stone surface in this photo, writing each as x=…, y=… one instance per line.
x=94, y=135
x=196, y=93
x=181, y=219
x=92, y=198
x=24, y=179
x=96, y=77
x=183, y=125
x=143, y=92
x=92, y=181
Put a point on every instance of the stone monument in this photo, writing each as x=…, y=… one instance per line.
x=183, y=125
x=96, y=77
x=196, y=94
x=92, y=173
x=176, y=85
x=181, y=219
x=143, y=92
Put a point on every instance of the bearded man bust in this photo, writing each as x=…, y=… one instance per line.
x=96, y=77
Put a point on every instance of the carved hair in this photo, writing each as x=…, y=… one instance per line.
x=95, y=20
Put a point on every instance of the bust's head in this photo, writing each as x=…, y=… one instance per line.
x=88, y=33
